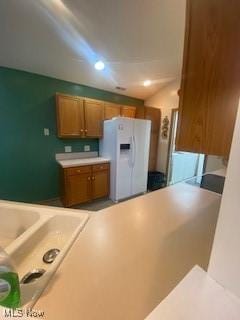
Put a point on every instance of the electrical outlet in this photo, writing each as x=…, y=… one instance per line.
x=46, y=131
x=86, y=148
x=68, y=149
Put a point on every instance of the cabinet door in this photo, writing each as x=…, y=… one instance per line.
x=153, y=151
x=210, y=79
x=100, y=182
x=140, y=112
x=78, y=188
x=94, y=116
x=128, y=112
x=70, y=116
x=111, y=110
x=154, y=115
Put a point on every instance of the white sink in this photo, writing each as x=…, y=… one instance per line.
x=14, y=222
x=54, y=233
x=32, y=231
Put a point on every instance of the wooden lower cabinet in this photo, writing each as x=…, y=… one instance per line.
x=85, y=183
x=100, y=184
x=78, y=188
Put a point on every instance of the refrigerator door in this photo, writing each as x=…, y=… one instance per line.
x=141, y=143
x=124, y=158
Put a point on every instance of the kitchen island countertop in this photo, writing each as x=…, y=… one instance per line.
x=131, y=255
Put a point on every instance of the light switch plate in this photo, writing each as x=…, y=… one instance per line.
x=68, y=149
x=46, y=131
x=86, y=148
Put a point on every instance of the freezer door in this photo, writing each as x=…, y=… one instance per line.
x=141, y=142
x=108, y=149
x=124, y=158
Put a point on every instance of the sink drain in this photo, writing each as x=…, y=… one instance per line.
x=50, y=255
x=32, y=276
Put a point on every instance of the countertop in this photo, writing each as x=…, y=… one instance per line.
x=82, y=162
x=198, y=297
x=130, y=256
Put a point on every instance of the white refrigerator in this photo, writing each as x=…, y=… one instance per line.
x=126, y=142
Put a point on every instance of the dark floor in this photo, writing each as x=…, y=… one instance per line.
x=95, y=205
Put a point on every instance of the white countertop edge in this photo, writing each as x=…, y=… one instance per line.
x=198, y=297
x=82, y=162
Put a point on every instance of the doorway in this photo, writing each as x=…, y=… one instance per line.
x=182, y=165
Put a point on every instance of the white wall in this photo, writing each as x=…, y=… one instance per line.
x=225, y=258
x=166, y=100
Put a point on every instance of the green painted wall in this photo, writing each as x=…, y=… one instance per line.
x=28, y=170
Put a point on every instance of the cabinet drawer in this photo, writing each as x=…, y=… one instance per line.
x=77, y=170
x=100, y=167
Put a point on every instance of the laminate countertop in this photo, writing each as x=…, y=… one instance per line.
x=198, y=297
x=130, y=256
x=82, y=162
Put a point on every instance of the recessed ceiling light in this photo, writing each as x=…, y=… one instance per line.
x=147, y=83
x=99, y=65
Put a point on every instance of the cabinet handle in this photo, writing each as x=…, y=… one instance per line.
x=89, y=178
x=81, y=130
x=93, y=178
x=85, y=130
x=78, y=171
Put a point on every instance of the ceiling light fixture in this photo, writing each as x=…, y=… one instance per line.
x=147, y=83
x=99, y=65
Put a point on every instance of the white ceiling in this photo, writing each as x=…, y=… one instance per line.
x=137, y=40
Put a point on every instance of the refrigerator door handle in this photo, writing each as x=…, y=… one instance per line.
x=134, y=151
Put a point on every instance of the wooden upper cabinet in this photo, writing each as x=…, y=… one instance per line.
x=94, y=116
x=111, y=110
x=82, y=117
x=79, y=117
x=210, y=84
x=129, y=112
x=140, y=112
x=70, y=116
